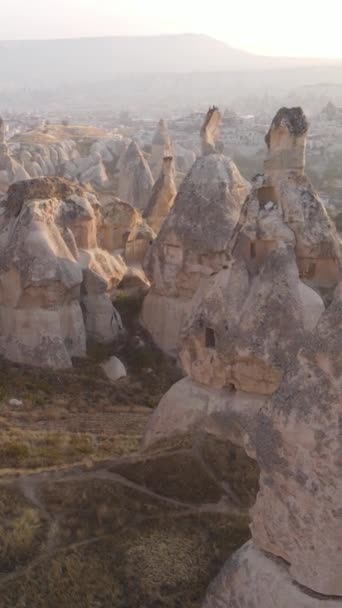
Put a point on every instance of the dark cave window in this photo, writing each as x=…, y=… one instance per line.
x=266, y=194
x=253, y=250
x=311, y=270
x=209, y=337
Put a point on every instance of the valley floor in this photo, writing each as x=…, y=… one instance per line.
x=90, y=520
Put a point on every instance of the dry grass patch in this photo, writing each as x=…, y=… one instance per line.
x=22, y=529
x=27, y=449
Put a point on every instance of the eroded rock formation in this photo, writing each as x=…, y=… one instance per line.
x=135, y=178
x=209, y=131
x=161, y=147
x=194, y=242
x=122, y=230
x=163, y=196
x=286, y=141
x=10, y=170
x=262, y=350
x=86, y=159
x=62, y=254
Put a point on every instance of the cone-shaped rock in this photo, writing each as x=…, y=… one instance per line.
x=162, y=197
x=50, y=265
x=286, y=141
x=135, y=178
x=194, y=242
x=161, y=148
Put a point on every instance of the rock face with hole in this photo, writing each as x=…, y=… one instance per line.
x=193, y=242
x=295, y=436
x=262, y=352
x=135, y=178
x=121, y=229
x=51, y=266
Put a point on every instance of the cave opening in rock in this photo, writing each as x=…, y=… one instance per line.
x=266, y=194
x=210, y=340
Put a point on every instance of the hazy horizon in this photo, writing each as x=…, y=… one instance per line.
x=170, y=34
x=301, y=30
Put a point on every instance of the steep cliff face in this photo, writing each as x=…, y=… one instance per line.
x=285, y=251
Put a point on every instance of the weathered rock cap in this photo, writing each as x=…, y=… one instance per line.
x=286, y=141
x=292, y=119
x=40, y=188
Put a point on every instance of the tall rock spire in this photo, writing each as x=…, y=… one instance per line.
x=286, y=142
x=2, y=131
x=262, y=343
x=135, y=179
x=161, y=147
x=193, y=242
x=209, y=131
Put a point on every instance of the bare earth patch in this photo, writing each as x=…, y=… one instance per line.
x=89, y=520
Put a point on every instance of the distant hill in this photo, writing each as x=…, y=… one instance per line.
x=46, y=63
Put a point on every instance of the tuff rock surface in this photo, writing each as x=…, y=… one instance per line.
x=209, y=131
x=262, y=350
x=135, y=178
x=85, y=155
x=11, y=171
x=193, y=243
x=163, y=195
x=53, y=268
x=161, y=148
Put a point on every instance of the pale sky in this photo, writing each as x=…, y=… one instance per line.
x=270, y=27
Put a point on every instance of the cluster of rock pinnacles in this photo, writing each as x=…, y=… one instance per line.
x=244, y=284
x=254, y=291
